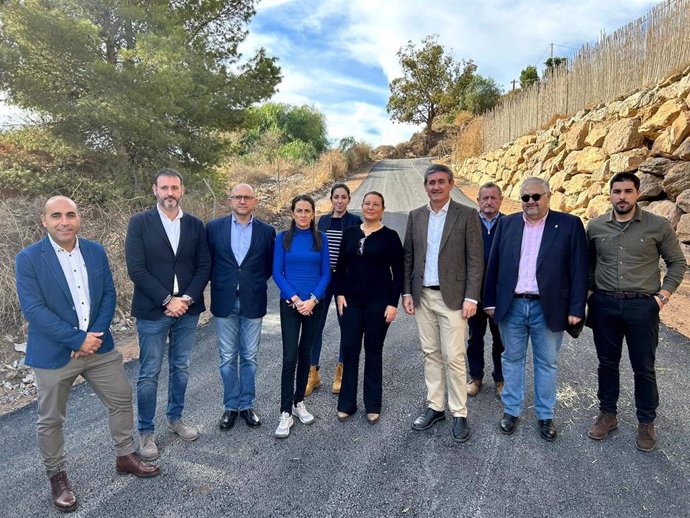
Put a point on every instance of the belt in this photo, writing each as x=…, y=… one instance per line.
x=437, y=288
x=528, y=296
x=624, y=294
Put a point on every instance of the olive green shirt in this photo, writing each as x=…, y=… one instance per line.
x=625, y=256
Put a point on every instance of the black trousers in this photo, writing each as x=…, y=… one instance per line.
x=636, y=320
x=298, y=333
x=363, y=321
x=475, y=346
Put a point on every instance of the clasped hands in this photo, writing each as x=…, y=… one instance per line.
x=177, y=307
x=89, y=346
x=303, y=307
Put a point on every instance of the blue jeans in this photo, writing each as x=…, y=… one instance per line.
x=238, y=336
x=525, y=320
x=318, y=342
x=155, y=336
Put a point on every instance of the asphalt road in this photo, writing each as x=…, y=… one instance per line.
x=355, y=469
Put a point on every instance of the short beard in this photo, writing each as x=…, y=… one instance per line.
x=623, y=211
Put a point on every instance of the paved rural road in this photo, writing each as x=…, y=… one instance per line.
x=354, y=469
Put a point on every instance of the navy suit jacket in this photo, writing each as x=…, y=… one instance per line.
x=249, y=277
x=152, y=264
x=48, y=306
x=562, y=272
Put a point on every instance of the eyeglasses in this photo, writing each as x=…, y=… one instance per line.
x=360, y=248
x=238, y=197
x=535, y=197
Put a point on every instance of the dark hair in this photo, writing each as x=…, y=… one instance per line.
x=167, y=171
x=290, y=233
x=340, y=186
x=375, y=193
x=625, y=177
x=490, y=185
x=438, y=168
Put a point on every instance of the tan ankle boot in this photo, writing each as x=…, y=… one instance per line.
x=337, y=379
x=314, y=380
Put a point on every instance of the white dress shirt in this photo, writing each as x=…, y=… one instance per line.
x=74, y=268
x=433, y=243
x=172, y=230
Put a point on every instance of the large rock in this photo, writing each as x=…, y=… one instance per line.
x=677, y=179
x=577, y=185
x=623, y=135
x=666, y=209
x=597, y=189
x=657, y=166
x=650, y=186
x=680, y=129
x=627, y=160
x=663, y=118
x=603, y=173
x=683, y=229
x=597, y=206
x=575, y=138
x=557, y=182
x=557, y=201
x=683, y=151
x=683, y=201
x=587, y=160
x=597, y=135
x=663, y=144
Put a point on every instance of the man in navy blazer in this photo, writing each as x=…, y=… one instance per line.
x=536, y=285
x=168, y=262
x=67, y=295
x=241, y=248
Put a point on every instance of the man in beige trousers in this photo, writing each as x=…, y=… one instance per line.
x=444, y=265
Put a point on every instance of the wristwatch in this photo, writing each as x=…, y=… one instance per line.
x=663, y=298
x=313, y=298
x=188, y=300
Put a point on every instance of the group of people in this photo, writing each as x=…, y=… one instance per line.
x=526, y=276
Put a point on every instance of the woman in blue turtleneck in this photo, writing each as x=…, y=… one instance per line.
x=302, y=271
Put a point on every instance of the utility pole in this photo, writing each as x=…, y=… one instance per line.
x=552, y=51
x=513, y=81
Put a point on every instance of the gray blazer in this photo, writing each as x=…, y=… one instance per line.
x=460, y=258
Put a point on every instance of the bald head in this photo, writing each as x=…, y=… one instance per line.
x=62, y=221
x=242, y=202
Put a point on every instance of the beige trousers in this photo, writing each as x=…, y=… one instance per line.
x=443, y=333
x=106, y=376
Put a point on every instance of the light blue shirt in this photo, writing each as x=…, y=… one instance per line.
x=74, y=268
x=240, y=238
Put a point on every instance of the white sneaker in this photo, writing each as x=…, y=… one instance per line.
x=302, y=413
x=284, y=425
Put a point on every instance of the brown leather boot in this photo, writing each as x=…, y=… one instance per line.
x=603, y=424
x=646, y=437
x=337, y=379
x=133, y=464
x=473, y=387
x=314, y=380
x=63, y=496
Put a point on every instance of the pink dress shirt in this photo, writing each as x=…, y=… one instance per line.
x=529, y=251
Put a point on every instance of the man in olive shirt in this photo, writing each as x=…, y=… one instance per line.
x=624, y=246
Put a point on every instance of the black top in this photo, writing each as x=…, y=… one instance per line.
x=370, y=268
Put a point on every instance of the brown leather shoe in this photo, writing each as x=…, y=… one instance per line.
x=646, y=437
x=133, y=464
x=64, y=498
x=603, y=425
x=473, y=387
x=499, y=389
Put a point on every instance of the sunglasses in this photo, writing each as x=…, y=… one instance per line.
x=360, y=248
x=535, y=197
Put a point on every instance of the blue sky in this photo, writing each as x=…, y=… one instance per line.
x=340, y=56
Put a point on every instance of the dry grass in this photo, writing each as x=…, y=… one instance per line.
x=469, y=142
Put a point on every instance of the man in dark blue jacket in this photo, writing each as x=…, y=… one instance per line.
x=67, y=295
x=489, y=199
x=536, y=285
x=168, y=262
x=241, y=249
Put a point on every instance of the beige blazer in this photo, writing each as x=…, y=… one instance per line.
x=460, y=258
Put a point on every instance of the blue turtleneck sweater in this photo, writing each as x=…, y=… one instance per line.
x=301, y=270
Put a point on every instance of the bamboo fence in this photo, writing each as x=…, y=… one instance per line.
x=637, y=55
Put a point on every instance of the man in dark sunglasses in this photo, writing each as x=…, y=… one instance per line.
x=536, y=285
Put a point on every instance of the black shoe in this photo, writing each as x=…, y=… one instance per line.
x=508, y=424
x=250, y=417
x=228, y=419
x=547, y=429
x=428, y=419
x=460, y=431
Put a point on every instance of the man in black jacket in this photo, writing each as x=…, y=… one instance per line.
x=169, y=264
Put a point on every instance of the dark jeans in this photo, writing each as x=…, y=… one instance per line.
x=475, y=346
x=296, y=351
x=363, y=320
x=636, y=320
x=318, y=342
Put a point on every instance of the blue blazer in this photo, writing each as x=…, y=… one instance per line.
x=47, y=303
x=250, y=276
x=152, y=264
x=562, y=272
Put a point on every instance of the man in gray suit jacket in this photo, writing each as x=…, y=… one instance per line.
x=444, y=265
